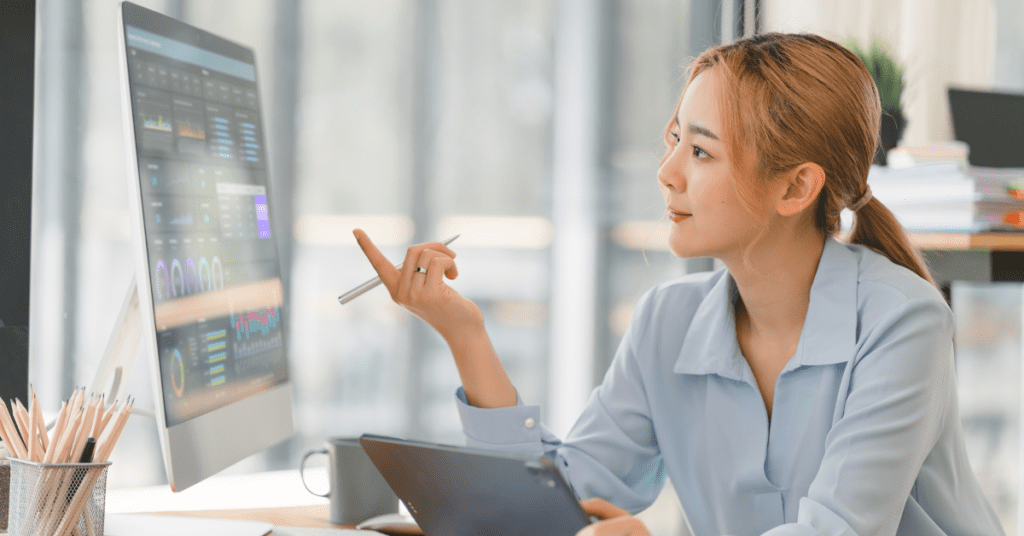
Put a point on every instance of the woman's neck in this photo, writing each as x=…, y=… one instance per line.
x=775, y=285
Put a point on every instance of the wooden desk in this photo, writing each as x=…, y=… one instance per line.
x=968, y=241
x=983, y=257
x=979, y=257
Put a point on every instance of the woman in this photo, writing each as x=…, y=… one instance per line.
x=806, y=388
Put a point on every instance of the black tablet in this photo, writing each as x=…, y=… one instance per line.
x=455, y=491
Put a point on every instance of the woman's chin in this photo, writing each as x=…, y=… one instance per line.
x=682, y=249
x=681, y=245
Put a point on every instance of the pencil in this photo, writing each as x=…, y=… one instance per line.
x=77, y=397
x=107, y=446
x=70, y=431
x=58, y=429
x=83, y=431
x=6, y=437
x=100, y=410
x=106, y=418
x=13, y=441
x=20, y=418
x=367, y=286
x=40, y=422
x=29, y=434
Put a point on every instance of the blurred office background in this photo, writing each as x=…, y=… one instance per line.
x=532, y=127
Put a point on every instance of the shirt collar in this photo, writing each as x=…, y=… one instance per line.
x=828, y=336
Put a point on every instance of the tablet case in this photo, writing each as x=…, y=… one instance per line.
x=458, y=491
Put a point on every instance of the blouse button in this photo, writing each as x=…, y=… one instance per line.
x=529, y=423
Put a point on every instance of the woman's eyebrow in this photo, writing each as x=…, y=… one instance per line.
x=701, y=131
x=698, y=130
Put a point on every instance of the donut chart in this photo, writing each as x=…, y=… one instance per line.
x=177, y=373
x=205, y=267
x=192, y=285
x=160, y=266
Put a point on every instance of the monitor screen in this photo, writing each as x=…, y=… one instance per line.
x=213, y=270
x=210, y=297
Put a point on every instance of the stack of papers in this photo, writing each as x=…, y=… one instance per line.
x=945, y=197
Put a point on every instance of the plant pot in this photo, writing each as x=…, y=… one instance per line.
x=891, y=130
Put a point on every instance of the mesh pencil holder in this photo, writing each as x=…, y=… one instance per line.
x=57, y=499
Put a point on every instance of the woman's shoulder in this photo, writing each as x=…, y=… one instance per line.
x=884, y=287
x=675, y=299
x=877, y=274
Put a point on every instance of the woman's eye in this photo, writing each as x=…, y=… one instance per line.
x=697, y=151
x=675, y=138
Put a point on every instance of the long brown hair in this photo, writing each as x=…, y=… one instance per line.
x=796, y=98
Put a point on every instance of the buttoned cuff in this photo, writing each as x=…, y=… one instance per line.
x=514, y=428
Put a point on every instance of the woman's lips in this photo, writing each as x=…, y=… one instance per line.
x=677, y=216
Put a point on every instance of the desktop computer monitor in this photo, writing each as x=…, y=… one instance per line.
x=990, y=123
x=209, y=277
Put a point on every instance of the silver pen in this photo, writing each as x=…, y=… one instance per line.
x=361, y=289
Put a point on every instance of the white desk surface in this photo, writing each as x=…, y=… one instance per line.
x=233, y=492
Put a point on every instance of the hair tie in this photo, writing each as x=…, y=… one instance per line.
x=864, y=198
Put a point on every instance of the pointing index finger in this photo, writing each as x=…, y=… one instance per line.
x=388, y=273
x=602, y=509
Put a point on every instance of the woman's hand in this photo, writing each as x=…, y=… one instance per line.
x=424, y=293
x=457, y=319
x=614, y=520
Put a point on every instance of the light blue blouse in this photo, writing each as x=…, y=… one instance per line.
x=865, y=435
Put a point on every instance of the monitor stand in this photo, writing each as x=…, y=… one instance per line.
x=122, y=348
x=113, y=371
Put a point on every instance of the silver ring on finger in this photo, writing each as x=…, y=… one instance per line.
x=421, y=270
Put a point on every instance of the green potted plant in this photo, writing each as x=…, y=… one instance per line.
x=888, y=76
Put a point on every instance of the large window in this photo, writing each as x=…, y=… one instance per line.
x=413, y=120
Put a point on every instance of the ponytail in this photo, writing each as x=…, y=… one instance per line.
x=876, y=227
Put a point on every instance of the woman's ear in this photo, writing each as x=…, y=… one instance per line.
x=803, y=184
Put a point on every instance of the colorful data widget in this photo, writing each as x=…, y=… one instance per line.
x=243, y=210
x=192, y=129
x=160, y=176
x=212, y=363
x=190, y=200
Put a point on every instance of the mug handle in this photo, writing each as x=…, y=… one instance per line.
x=302, y=472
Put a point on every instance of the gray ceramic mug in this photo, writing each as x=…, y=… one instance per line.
x=357, y=491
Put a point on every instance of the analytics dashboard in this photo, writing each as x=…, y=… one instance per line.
x=213, y=263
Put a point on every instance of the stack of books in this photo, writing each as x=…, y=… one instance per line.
x=947, y=197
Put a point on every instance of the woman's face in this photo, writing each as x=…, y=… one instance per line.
x=706, y=216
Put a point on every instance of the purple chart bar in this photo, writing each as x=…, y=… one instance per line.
x=262, y=217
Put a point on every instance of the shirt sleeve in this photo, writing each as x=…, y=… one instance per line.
x=611, y=452
x=901, y=390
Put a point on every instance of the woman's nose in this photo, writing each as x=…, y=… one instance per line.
x=670, y=172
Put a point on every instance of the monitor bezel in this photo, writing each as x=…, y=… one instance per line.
x=204, y=445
